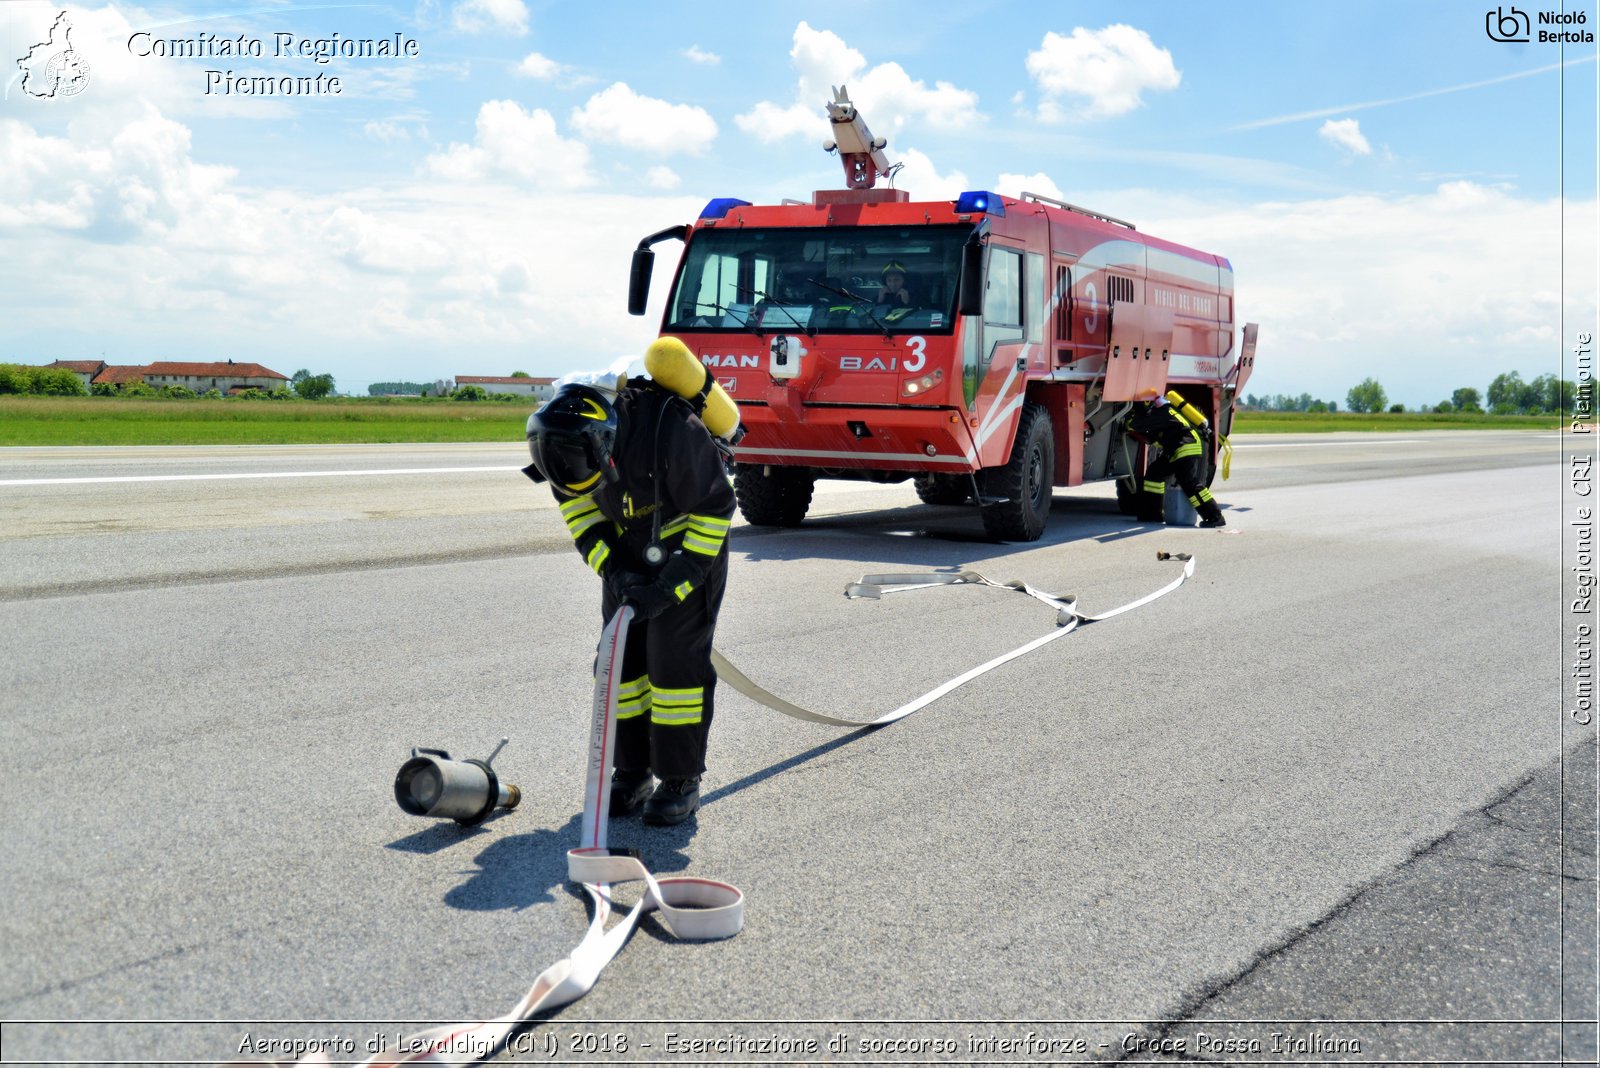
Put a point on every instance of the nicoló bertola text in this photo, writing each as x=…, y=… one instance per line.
x=290, y=46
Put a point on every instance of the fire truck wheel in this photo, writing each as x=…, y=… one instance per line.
x=942, y=489
x=1127, y=496
x=1024, y=481
x=773, y=496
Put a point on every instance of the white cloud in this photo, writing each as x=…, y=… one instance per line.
x=1014, y=185
x=364, y=241
x=541, y=68
x=512, y=143
x=619, y=116
x=695, y=54
x=476, y=16
x=1424, y=292
x=1106, y=71
x=140, y=181
x=403, y=279
x=923, y=180
x=888, y=97
x=662, y=178
x=386, y=131
x=1346, y=133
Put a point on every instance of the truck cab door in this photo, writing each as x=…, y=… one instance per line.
x=991, y=349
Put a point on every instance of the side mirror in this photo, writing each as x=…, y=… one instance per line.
x=644, y=261
x=969, y=300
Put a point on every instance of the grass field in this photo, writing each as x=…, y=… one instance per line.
x=141, y=421
x=138, y=421
x=1331, y=422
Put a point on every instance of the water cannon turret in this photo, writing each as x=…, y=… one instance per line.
x=861, y=153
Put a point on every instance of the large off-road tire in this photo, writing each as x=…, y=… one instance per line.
x=1024, y=481
x=773, y=496
x=943, y=489
x=1128, y=490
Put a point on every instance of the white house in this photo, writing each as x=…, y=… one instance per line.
x=538, y=388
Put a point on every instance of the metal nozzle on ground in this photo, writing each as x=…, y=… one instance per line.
x=467, y=791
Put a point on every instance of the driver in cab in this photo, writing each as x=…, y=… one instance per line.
x=893, y=293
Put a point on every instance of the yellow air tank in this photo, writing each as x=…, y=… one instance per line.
x=670, y=363
x=1188, y=411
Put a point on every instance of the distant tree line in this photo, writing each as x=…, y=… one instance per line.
x=1508, y=394
x=399, y=389
x=1282, y=402
x=40, y=381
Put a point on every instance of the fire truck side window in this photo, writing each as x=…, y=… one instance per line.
x=1002, y=302
x=1033, y=281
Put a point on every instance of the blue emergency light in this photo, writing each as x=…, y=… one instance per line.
x=980, y=202
x=719, y=207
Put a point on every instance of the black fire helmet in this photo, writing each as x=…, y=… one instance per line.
x=571, y=439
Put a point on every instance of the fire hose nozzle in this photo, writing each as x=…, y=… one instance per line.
x=467, y=791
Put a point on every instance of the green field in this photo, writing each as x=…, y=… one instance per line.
x=1332, y=422
x=154, y=421
x=140, y=421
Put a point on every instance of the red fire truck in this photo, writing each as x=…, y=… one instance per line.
x=999, y=364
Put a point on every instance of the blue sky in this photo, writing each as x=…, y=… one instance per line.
x=1385, y=178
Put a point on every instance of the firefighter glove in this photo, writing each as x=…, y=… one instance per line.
x=649, y=601
x=619, y=581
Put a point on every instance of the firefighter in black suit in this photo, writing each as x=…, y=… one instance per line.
x=1182, y=444
x=647, y=499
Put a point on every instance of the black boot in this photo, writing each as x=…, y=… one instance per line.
x=674, y=801
x=629, y=789
x=1211, y=515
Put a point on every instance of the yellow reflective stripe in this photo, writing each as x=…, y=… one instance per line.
x=1155, y=487
x=684, y=589
x=1205, y=495
x=577, y=526
x=677, y=707
x=597, y=556
x=709, y=524
x=705, y=534
x=676, y=525
x=581, y=504
x=630, y=690
x=696, y=544
x=579, y=487
x=1190, y=449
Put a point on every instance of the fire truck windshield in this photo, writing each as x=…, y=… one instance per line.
x=846, y=280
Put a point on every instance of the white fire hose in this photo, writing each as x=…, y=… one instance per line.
x=692, y=908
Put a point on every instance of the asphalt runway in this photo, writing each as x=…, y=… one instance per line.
x=1212, y=808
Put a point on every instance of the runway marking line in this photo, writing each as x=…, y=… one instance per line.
x=1326, y=444
x=102, y=480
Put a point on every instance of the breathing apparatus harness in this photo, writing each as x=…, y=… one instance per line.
x=655, y=554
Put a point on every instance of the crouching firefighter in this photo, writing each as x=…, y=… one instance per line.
x=646, y=497
x=1172, y=425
